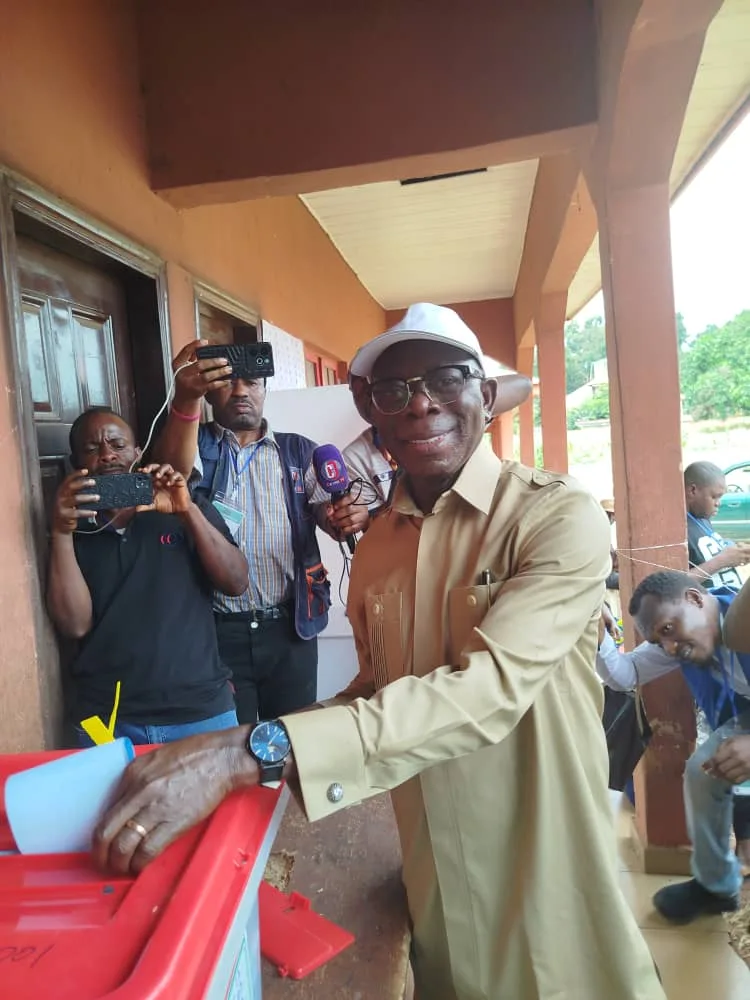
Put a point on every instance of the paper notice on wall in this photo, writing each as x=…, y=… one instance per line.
x=288, y=358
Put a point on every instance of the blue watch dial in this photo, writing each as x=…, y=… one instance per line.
x=269, y=742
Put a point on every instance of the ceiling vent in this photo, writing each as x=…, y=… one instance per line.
x=442, y=177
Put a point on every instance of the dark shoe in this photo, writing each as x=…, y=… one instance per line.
x=688, y=900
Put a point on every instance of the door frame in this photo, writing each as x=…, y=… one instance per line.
x=212, y=296
x=20, y=195
x=203, y=292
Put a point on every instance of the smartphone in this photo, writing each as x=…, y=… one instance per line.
x=120, y=490
x=248, y=361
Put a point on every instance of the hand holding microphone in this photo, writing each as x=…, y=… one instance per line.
x=347, y=517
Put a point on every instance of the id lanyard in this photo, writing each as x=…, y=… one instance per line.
x=239, y=472
x=227, y=506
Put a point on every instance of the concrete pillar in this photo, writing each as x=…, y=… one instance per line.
x=502, y=435
x=647, y=461
x=550, y=340
x=525, y=365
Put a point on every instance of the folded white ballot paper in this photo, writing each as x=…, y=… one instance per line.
x=55, y=807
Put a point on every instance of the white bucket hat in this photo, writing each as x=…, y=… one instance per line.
x=423, y=321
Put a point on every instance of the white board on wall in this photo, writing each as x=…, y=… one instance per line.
x=327, y=415
x=288, y=358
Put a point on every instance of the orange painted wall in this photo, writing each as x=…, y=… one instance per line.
x=71, y=118
x=312, y=86
x=490, y=319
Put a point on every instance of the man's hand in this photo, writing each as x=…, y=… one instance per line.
x=70, y=503
x=731, y=762
x=345, y=517
x=194, y=382
x=166, y=792
x=171, y=494
x=608, y=623
x=735, y=555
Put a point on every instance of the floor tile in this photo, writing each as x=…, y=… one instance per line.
x=698, y=966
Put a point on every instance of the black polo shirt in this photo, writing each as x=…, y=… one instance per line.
x=153, y=625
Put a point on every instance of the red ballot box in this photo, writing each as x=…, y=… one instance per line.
x=187, y=928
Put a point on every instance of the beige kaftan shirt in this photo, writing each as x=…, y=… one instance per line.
x=478, y=706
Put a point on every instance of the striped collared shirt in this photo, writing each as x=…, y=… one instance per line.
x=256, y=487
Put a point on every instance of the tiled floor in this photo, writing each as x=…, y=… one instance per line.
x=696, y=962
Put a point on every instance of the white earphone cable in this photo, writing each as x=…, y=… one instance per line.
x=164, y=405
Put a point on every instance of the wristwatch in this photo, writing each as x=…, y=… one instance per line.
x=268, y=743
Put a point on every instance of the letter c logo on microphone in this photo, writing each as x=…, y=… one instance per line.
x=168, y=539
x=331, y=470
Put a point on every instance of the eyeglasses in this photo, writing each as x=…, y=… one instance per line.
x=441, y=385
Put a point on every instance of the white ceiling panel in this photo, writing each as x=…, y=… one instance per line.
x=453, y=239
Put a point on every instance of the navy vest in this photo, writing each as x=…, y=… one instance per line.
x=312, y=590
x=711, y=694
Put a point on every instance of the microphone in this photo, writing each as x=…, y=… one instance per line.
x=330, y=471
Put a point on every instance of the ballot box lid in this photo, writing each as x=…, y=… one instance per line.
x=69, y=932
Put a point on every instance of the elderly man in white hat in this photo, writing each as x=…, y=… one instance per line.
x=474, y=601
x=368, y=459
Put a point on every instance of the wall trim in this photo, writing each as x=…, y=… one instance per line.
x=214, y=297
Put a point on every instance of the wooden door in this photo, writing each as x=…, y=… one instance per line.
x=77, y=348
x=218, y=327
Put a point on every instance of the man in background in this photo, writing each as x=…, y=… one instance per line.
x=366, y=457
x=613, y=580
x=263, y=484
x=134, y=588
x=684, y=627
x=712, y=558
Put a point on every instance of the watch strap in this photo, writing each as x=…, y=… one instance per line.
x=270, y=772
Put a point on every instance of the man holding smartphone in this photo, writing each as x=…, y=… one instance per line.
x=263, y=484
x=134, y=587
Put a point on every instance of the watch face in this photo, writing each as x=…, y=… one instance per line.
x=269, y=742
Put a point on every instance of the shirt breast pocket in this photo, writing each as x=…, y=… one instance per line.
x=383, y=616
x=467, y=608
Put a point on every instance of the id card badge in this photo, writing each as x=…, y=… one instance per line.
x=233, y=516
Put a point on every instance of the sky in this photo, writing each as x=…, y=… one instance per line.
x=710, y=239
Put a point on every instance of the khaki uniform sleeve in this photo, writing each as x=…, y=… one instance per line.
x=538, y=616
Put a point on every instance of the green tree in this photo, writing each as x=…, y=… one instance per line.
x=715, y=371
x=586, y=344
x=583, y=346
x=683, y=337
x=596, y=408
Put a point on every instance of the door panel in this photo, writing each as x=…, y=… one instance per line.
x=37, y=329
x=77, y=348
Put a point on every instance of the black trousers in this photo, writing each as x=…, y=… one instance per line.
x=273, y=671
